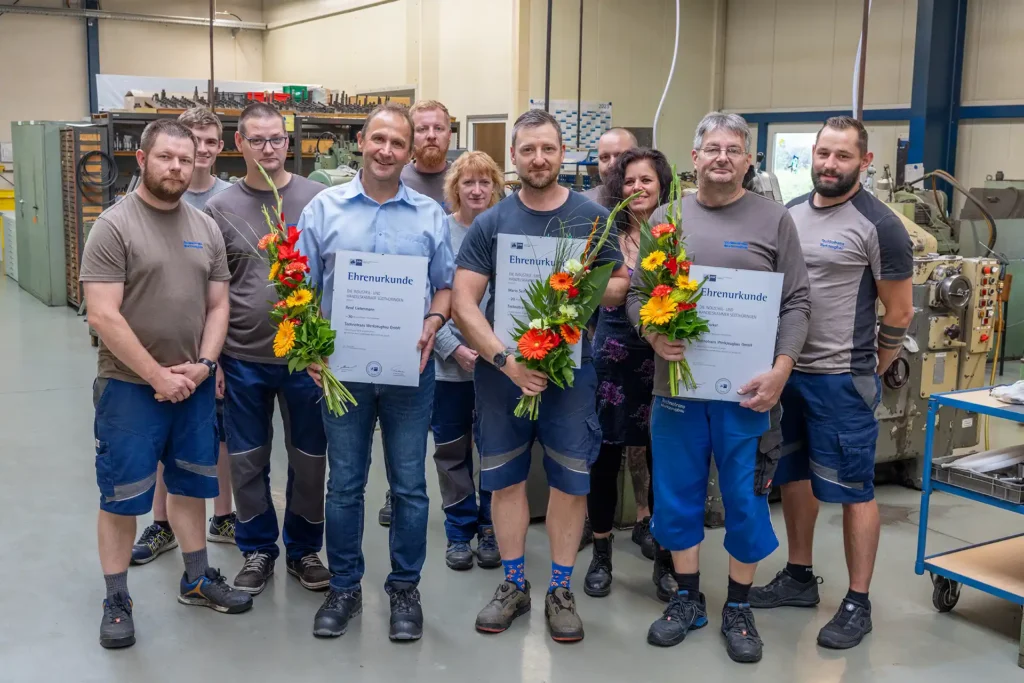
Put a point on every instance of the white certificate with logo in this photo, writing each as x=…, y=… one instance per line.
x=523, y=260
x=378, y=317
x=742, y=310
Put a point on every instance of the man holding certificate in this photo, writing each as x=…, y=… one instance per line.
x=740, y=242
x=380, y=254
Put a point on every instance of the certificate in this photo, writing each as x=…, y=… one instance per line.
x=742, y=310
x=523, y=260
x=378, y=317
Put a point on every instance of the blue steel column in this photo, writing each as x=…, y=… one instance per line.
x=92, y=53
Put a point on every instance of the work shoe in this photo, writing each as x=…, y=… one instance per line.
x=117, y=628
x=154, y=541
x=563, y=621
x=684, y=613
x=459, y=556
x=588, y=534
x=212, y=590
x=384, y=516
x=664, y=583
x=406, y=611
x=310, y=572
x=741, y=639
x=508, y=603
x=598, y=582
x=848, y=627
x=785, y=591
x=255, y=572
x=487, y=554
x=332, y=618
x=642, y=537
x=224, y=532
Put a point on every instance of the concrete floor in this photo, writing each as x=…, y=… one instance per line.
x=51, y=608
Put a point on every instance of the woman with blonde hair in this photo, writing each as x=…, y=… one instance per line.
x=473, y=185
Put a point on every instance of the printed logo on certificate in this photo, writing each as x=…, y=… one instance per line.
x=523, y=260
x=377, y=314
x=742, y=310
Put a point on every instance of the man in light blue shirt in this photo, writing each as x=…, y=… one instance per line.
x=377, y=213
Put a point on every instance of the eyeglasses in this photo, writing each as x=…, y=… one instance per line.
x=261, y=143
x=733, y=153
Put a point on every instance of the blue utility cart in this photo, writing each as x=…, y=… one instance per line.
x=995, y=567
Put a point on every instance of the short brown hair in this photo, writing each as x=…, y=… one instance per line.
x=169, y=127
x=389, y=108
x=258, y=110
x=200, y=117
x=535, y=118
x=427, y=105
x=471, y=162
x=846, y=123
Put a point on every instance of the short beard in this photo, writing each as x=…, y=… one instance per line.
x=155, y=187
x=525, y=179
x=431, y=156
x=837, y=189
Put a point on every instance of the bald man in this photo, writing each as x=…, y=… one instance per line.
x=612, y=144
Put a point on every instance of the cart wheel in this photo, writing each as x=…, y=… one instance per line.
x=945, y=594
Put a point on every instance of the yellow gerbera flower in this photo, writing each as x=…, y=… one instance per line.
x=301, y=297
x=284, y=340
x=274, y=269
x=653, y=260
x=657, y=311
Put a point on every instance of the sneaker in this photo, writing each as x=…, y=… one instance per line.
x=310, y=572
x=563, y=621
x=643, y=538
x=384, y=516
x=848, y=627
x=224, y=532
x=487, y=554
x=406, y=612
x=117, y=628
x=785, y=591
x=664, y=583
x=332, y=618
x=255, y=572
x=598, y=582
x=684, y=613
x=741, y=639
x=154, y=541
x=212, y=590
x=588, y=534
x=508, y=603
x=459, y=556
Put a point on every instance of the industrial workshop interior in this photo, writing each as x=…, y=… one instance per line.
x=867, y=438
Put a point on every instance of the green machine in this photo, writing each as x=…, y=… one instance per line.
x=338, y=165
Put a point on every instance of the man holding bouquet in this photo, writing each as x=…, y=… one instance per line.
x=727, y=227
x=567, y=424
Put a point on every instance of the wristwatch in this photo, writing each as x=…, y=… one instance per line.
x=500, y=358
x=210, y=364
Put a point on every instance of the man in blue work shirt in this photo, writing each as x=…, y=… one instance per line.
x=377, y=213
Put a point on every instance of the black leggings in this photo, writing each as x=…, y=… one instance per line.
x=604, y=487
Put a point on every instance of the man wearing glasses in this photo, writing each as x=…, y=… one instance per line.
x=254, y=377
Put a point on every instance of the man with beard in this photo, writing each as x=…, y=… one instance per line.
x=857, y=251
x=568, y=427
x=726, y=227
x=610, y=147
x=155, y=278
x=376, y=213
x=254, y=376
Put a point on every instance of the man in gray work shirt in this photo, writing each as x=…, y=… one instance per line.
x=728, y=227
x=254, y=377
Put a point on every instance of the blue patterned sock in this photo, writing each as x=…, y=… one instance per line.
x=515, y=571
x=561, y=577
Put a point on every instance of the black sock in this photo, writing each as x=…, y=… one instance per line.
x=688, y=582
x=739, y=593
x=800, y=572
x=859, y=598
x=163, y=523
x=116, y=583
x=220, y=519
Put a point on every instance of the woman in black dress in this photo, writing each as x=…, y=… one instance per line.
x=625, y=371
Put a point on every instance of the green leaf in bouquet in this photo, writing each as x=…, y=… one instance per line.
x=597, y=283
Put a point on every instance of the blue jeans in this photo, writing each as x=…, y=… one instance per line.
x=452, y=425
x=249, y=392
x=404, y=414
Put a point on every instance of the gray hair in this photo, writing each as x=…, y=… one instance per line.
x=534, y=118
x=732, y=122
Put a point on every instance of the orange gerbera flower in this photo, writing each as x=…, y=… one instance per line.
x=570, y=333
x=535, y=344
x=662, y=229
x=560, y=282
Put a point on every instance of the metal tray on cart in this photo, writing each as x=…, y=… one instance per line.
x=973, y=481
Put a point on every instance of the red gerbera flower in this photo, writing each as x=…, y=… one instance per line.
x=535, y=344
x=661, y=290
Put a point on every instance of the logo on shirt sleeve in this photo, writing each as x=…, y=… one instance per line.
x=188, y=244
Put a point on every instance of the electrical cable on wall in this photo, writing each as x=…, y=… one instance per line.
x=668, y=83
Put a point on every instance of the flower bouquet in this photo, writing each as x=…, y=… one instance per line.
x=671, y=295
x=558, y=307
x=303, y=336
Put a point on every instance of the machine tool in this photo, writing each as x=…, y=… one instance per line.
x=338, y=165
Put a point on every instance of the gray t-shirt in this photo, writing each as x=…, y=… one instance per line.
x=446, y=368
x=575, y=218
x=848, y=247
x=199, y=199
x=596, y=194
x=752, y=233
x=239, y=215
x=430, y=184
